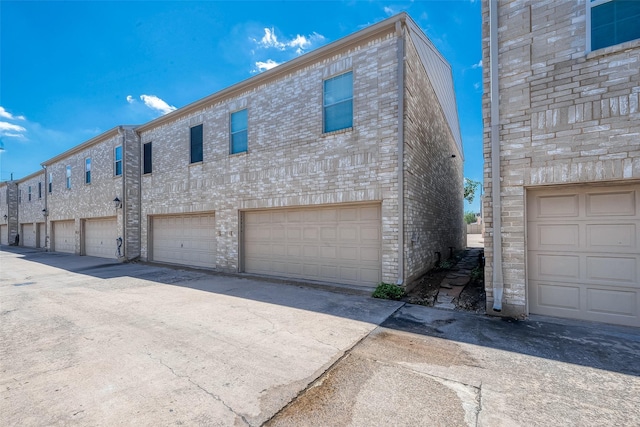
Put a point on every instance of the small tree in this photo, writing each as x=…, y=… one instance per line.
x=470, y=187
x=470, y=218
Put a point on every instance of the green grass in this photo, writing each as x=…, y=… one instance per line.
x=388, y=291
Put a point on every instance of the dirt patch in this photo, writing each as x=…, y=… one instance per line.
x=472, y=298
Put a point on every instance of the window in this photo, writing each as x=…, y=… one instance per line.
x=612, y=22
x=117, y=161
x=147, y=166
x=87, y=170
x=19, y=196
x=338, y=102
x=40, y=190
x=50, y=182
x=196, y=144
x=29, y=193
x=239, y=140
x=68, y=176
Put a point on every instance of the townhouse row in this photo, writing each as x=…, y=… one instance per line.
x=343, y=165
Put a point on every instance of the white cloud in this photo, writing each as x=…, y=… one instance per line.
x=7, y=115
x=9, y=129
x=267, y=65
x=477, y=86
x=478, y=65
x=130, y=99
x=300, y=42
x=156, y=103
x=390, y=11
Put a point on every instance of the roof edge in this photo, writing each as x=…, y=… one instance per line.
x=98, y=138
x=285, y=68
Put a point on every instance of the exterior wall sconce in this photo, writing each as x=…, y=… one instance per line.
x=117, y=203
x=45, y=212
x=5, y=217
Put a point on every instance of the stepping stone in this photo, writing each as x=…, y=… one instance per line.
x=460, y=281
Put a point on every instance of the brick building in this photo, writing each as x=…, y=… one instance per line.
x=562, y=125
x=342, y=165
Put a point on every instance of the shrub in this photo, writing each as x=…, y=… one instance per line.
x=388, y=291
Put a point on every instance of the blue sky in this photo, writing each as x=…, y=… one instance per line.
x=72, y=70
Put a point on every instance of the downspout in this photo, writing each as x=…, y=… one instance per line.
x=124, y=197
x=46, y=209
x=400, y=34
x=497, y=279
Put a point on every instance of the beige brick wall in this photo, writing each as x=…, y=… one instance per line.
x=82, y=200
x=433, y=178
x=290, y=161
x=566, y=117
x=30, y=211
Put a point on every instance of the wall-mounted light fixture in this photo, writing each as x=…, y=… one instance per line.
x=117, y=203
x=45, y=212
x=5, y=217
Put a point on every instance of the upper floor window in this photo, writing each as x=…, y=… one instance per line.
x=239, y=137
x=338, y=102
x=68, y=182
x=196, y=144
x=117, y=160
x=50, y=183
x=29, y=193
x=40, y=190
x=612, y=22
x=87, y=170
x=147, y=166
x=20, y=196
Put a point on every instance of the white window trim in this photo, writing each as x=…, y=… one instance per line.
x=115, y=161
x=87, y=170
x=67, y=177
x=353, y=97
x=231, y=133
x=589, y=5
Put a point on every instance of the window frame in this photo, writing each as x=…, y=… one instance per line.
x=29, y=193
x=193, y=160
x=590, y=5
x=50, y=183
x=117, y=161
x=68, y=177
x=325, y=105
x=87, y=170
x=150, y=158
x=245, y=130
x=39, y=190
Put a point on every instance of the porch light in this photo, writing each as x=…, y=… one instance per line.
x=117, y=203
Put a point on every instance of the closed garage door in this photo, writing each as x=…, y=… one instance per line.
x=100, y=237
x=4, y=236
x=185, y=240
x=336, y=244
x=42, y=235
x=28, y=235
x=584, y=253
x=64, y=239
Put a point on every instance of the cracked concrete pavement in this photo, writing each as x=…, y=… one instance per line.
x=85, y=341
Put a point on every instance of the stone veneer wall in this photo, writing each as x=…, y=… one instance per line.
x=433, y=178
x=290, y=161
x=30, y=211
x=566, y=117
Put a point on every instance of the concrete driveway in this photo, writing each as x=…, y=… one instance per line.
x=89, y=342
x=85, y=341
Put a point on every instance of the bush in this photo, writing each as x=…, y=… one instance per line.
x=470, y=218
x=388, y=291
x=477, y=274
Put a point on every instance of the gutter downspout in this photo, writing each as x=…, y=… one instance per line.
x=400, y=34
x=46, y=209
x=497, y=279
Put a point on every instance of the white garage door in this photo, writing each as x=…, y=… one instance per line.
x=42, y=235
x=584, y=253
x=185, y=240
x=28, y=235
x=64, y=236
x=336, y=244
x=4, y=235
x=100, y=237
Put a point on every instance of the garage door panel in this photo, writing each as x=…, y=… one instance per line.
x=329, y=243
x=612, y=270
x=584, y=253
x=614, y=302
x=28, y=235
x=557, y=206
x=185, y=240
x=611, y=237
x=611, y=204
x=4, y=235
